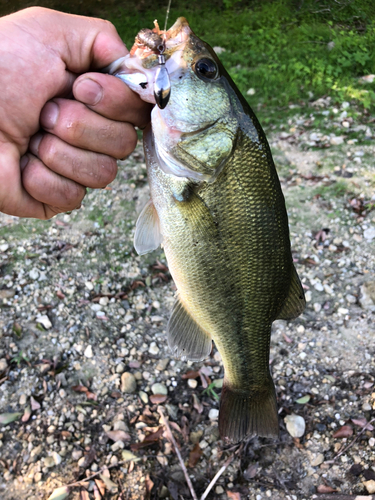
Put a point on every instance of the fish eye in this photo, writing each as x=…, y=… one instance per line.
x=206, y=69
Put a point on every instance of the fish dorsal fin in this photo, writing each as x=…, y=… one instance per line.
x=186, y=338
x=147, y=235
x=295, y=302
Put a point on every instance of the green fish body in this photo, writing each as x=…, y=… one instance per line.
x=219, y=212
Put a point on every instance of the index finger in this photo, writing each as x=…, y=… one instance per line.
x=112, y=98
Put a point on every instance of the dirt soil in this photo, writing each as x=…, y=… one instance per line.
x=84, y=363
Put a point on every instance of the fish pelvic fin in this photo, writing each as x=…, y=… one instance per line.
x=295, y=302
x=186, y=338
x=246, y=413
x=147, y=235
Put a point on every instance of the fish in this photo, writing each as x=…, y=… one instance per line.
x=218, y=210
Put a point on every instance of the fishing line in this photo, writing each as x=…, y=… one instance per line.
x=166, y=17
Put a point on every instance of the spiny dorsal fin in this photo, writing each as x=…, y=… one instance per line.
x=185, y=337
x=295, y=302
x=147, y=235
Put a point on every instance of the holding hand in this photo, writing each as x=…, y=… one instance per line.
x=52, y=147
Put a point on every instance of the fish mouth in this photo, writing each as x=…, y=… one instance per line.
x=142, y=69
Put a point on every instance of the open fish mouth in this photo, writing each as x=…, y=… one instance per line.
x=154, y=60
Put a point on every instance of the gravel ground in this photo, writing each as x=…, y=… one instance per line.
x=84, y=363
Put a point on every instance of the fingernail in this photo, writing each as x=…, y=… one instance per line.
x=49, y=115
x=88, y=91
x=23, y=162
x=34, y=144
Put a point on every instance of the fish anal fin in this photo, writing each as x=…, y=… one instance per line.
x=186, y=338
x=147, y=235
x=244, y=413
x=295, y=302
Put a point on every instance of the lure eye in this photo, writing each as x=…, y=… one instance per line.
x=206, y=69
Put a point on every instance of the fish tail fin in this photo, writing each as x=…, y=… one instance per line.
x=245, y=413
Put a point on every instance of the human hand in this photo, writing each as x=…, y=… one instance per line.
x=44, y=171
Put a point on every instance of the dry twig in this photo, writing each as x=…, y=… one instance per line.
x=217, y=475
x=173, y=441
x=335, y=496
x=350, y=444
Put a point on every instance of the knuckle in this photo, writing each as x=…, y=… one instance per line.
x=106, y=170
x=48, y=150
x=72, y=194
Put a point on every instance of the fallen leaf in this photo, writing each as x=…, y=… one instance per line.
x=85, y=495
x=60, y=493
x=91, y=395
x=97, y=495
x=191, y=374
x=251, y=471
x=89, y=458
x=100, y=485
x=362, y=422
x=163, y=461
x=234, y=495
x=7, y=418
x=118, y=436
x=343, y=432
x=60, y=295
x=195, y=455
x=197, y=404
x=157, y=399
x=322, y=488
x=128, y=456
x=110, y=485
x=303, y=400
x=79, y=388
x=27, y=414
x=149, y=484
x=148, y=440
x=34, y=404
x=17, y=329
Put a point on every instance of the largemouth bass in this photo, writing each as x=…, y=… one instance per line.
x=218, y=210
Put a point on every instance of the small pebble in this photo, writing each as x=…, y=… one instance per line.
x=213, y=414
x=295, y=425
x=103, y=301
x=76, y=454
x=128, y=383
x=49, y=462
x=159, y=389
x=23, y=399
x=192, y=383
x=44, y=320
x=57, y=458
x=88, y=352
x=154, y=349
x=319, y=459
x=120, y=368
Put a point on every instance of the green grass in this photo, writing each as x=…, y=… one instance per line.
x=287, y=51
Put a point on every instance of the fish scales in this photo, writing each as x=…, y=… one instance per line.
x=218, y=210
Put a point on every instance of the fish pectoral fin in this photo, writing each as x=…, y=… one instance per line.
x=295, y=302
x=147, y=235
x=185, y=337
